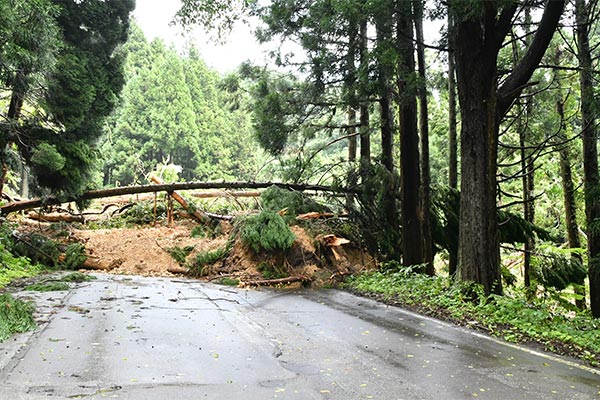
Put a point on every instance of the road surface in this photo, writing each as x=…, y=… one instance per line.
x=159, y=338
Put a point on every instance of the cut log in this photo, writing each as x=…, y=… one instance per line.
x=280, y=281
x=177, y=269
x=89, y=264
x=55, y=217
x=177, y=197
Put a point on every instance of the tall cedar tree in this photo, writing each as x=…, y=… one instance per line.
x=590, y=150
x=481, y=28
x=412, y=232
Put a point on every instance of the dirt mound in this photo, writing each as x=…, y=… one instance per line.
x=146, y=251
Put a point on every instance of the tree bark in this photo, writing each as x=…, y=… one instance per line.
x=478, y=40
x=410, y=182
x=350, y=93
x=388, y=188
x=527, y=162
x=428, y=250
x=478, y=253
x=274, y=282
x=352, y=179
x=452, y=137
x=177, y=197
x=365, y=133
x=590, y=152
x=452, y=143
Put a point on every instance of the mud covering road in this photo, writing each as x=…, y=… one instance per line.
x=165, y=338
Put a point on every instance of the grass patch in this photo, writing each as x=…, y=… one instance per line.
x=55, y=286
x=511, y=317
x=16, y=316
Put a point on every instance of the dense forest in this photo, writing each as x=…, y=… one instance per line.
x=479, y=149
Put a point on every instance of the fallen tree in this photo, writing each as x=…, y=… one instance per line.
x=168, y=187
x=177, y=197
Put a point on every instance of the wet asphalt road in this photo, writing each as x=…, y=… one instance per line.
x=159, y=338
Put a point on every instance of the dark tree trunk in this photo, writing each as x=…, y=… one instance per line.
x=350, y=89
x=590, y=152
x=479, y=256
x=352, y=147
x=385, y=66
x=20, y=86
x=478, y=40
x=411, y=217
x=452, y=143
x=452, y=137
x=428, y=251
x=385, y=69
x=364, y=131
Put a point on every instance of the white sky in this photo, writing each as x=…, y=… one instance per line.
x=154, y=16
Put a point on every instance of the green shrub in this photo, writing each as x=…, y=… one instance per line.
x=16, y=316
x=211, y=231
x=266, y=231
x=179, y=254
x=37, y=248
x=74, y=256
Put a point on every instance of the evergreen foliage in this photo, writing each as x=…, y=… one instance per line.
x=266, y=231
x=557, y=268
x=16, y=316
x=69, y=53
x=48, y=287
x=174, y=112
x=74, y=256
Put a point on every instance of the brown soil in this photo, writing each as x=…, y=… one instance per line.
x=144, y=251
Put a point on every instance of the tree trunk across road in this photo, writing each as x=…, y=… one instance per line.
x=162, y=338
